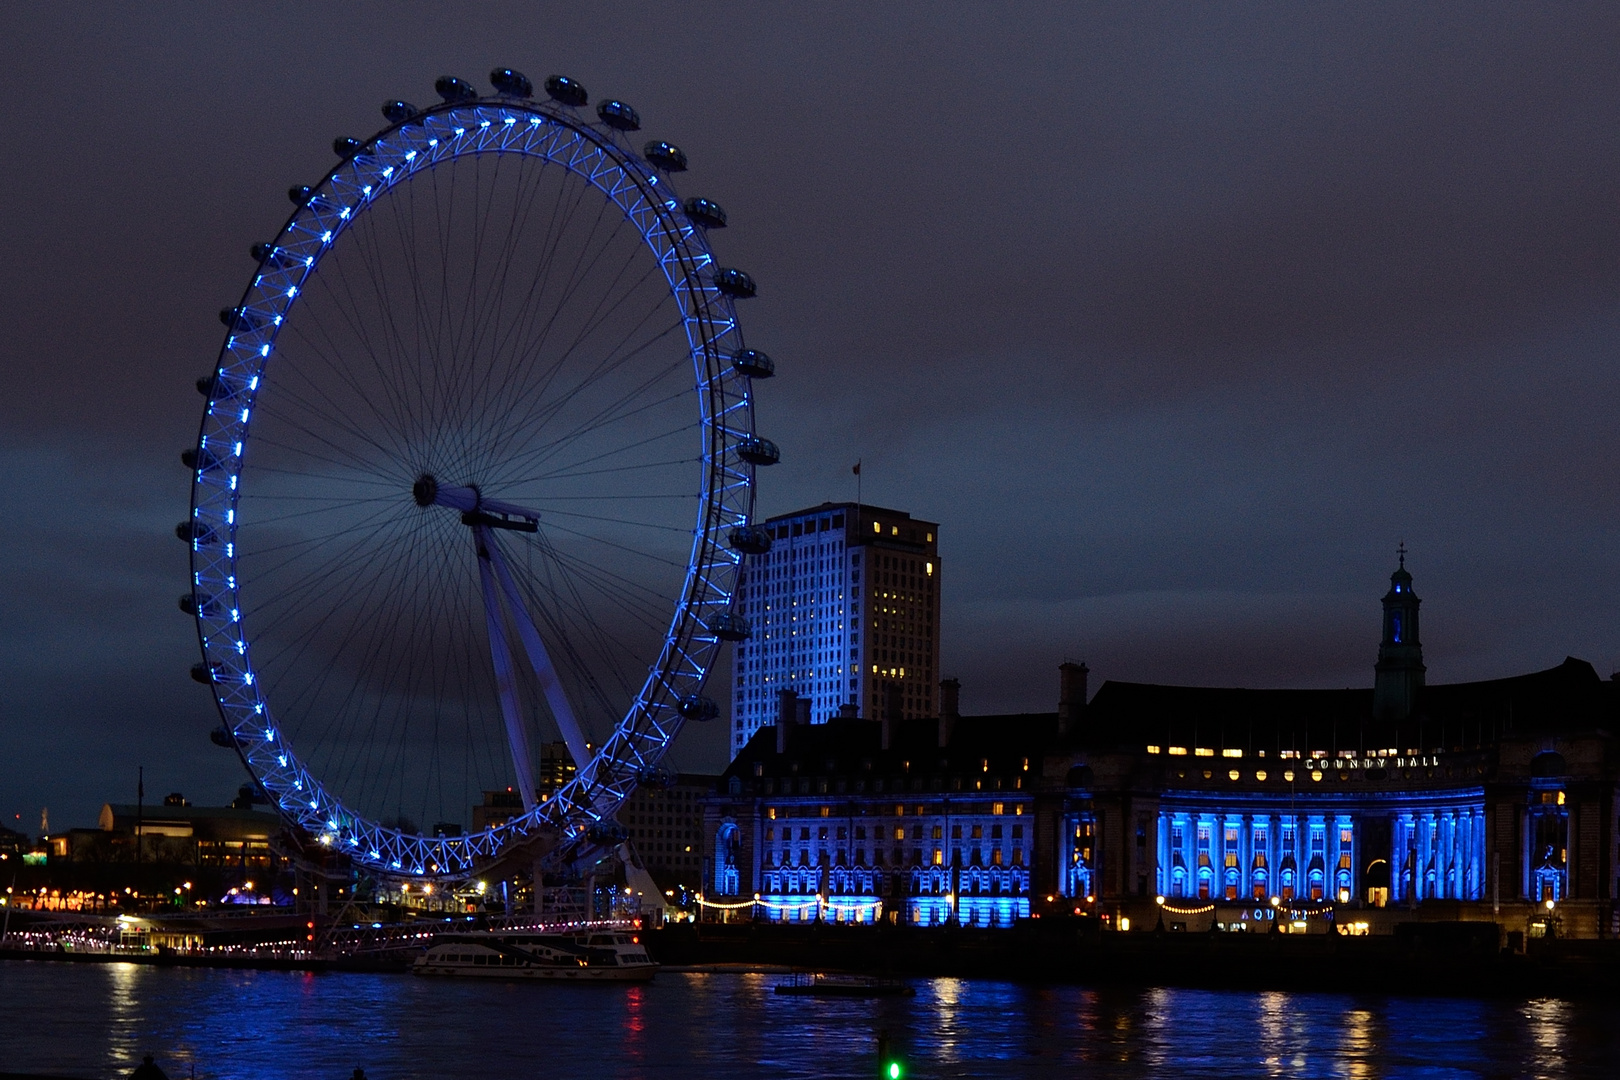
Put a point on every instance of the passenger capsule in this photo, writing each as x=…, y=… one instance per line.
x=607, y=833
x=509, y=83
x=221, y=736
x=346, y=147
x=199, y=462
x=194, y=532
x=270, y=255
x=207, y=674
x=749, y=539
x=240, y=320
x=728, y=626
x=655, y=776
x=300, y=194
x=754, y=364
x=697, y=707
x=618, y=116
x=219, y=386
x=566, y=91
x=734, y=283
x=706, y=212
x=666, y=156
x=758, y=451
x=397, y=112
x=198, y=603
x=454, y=90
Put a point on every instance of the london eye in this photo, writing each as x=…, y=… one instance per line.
x=475, y=473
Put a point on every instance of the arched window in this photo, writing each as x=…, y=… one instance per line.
x=727, y=841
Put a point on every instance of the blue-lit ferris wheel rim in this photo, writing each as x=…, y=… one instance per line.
x=639, y=741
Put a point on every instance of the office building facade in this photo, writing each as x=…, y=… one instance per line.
x=845, y=615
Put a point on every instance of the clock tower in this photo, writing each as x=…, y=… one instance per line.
x=1399, y=671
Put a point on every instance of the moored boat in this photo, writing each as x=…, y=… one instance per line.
x=812, y=984
x=588, y=956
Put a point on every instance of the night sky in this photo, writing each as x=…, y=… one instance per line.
x=1177, y=318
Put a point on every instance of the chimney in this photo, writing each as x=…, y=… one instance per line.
x=787, y=711
x=1071, y=695
x=893, y=712
x=950, y=709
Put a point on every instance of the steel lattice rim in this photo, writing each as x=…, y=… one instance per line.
x=601, y=159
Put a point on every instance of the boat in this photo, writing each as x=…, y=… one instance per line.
x=815, y=984
x=590, y=956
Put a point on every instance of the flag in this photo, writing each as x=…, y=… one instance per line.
x=857, y=469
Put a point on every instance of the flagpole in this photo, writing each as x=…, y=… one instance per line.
x=857, y=484
x=140, y=807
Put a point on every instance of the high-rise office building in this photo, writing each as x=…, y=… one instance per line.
x=845, y=616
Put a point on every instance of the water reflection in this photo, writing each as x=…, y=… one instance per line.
x=89, y=1020
x=1547, y=1023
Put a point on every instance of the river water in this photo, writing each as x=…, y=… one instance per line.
x=96, y=1020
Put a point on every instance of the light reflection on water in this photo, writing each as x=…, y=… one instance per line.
x=96, y=1020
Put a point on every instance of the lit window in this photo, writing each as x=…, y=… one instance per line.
x=1178, y=751
x=998, y=808
x=1204, y=751
x=1231, y=753
x=1260, y=775
x=1153, y=749
x=1233, y=775
x=876, y=527
x=1316, y=774
x=1288, y=775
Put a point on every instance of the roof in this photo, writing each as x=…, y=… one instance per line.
x=845, y=746
x=860, y=508
x=190, y=813
x=204, y=822
x=1568, y=697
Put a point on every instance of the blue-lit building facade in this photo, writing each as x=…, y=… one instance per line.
x=1197, y=807
x=1492, y=800
x=906, y=821
x=844, y=608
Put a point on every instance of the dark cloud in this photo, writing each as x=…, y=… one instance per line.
x=1176, y=319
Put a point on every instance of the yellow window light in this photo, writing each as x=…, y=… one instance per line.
x=1204, y=751
x=1231, y=753
x=1154, y=749
x=1178, y=751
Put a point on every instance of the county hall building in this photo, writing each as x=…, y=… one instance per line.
x=1191, y=808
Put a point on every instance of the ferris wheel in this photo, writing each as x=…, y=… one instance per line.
x=475, y=475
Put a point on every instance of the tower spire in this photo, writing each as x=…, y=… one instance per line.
x=1398, y=675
